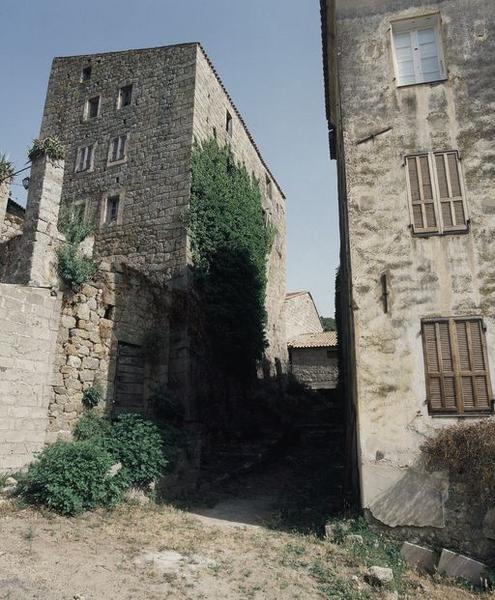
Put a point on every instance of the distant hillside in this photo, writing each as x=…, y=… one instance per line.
x=328, y=323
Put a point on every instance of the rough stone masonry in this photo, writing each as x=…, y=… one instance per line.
x=128, y=121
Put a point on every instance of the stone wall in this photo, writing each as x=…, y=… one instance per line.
x=154, y=180
x=301, y=315
x=448, y=275
x=29, y=320
x=12, y=227
x=318, y=368
x=211, y=104
x=121, y=305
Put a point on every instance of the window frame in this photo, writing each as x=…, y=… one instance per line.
x=80, y=150
x=86, y=73
x=87, y=116
x=104, y=223
x=120, y=96
x=407, y=25
x=229, y=123
x=119, y=161
x=457, y=372
x=441, y=228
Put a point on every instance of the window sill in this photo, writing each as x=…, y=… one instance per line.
x=116, y=163
x=473, y=415
x=428, y=234
x=411, y=85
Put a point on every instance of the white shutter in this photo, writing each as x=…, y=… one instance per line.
x=428, y=59
x=404, y=57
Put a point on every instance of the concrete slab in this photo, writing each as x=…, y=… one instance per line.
x=457, y=565
x=419, y=557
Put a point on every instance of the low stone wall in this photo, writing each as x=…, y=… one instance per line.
x=29, y=320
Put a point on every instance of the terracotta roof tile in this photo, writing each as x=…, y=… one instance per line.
x=323, y=339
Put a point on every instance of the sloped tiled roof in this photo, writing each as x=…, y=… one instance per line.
x=323, y=339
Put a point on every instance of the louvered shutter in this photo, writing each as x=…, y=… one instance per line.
x=450, y=191
x=424, y=215
x=473, y=368
x=439, y=362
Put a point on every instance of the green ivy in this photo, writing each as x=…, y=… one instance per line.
x=230, y=243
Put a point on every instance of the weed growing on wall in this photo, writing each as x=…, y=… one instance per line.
x=230, y=243
x=6, y=168
x=72, y=266
x=49, y=146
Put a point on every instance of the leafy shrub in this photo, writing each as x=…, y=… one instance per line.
x=138, y=445
x=74, y=268
x=468, y=453
x=92, y=397
x=73, y=225
x=71, y=477
x=51, y=146
x=91, y=426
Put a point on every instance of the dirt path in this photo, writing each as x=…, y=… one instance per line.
x=156, y=553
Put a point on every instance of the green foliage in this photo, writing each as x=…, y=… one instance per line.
x=51, y=146
x=74, y=268
x=6, y=167
x=468, y=453
x=92, y=397
x=71, y=477
x=328, y=324
x=91, y=426
x=230, y=243
x=73, y=225
x=138, y=445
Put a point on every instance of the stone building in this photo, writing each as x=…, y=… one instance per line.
x=313, y=358
x=128, y=121
x=410, y=106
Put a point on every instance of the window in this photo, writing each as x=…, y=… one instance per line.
x=125, y=96
x=85, y=74
x=84, y=158
x=112, y=209
x=228, y=122
x=457, y=377
x=268, y=183
x=418, y=56
x=436, y=193
x=93, y=107
x=118, y=149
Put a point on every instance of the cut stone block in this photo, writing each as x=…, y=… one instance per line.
x=457, y=565
x=419, y=557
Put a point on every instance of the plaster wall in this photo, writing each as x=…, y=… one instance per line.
x=450, y=275
x=301, y=315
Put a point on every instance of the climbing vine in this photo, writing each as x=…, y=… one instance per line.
x=230, y=242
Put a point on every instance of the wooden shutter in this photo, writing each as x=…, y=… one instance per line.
x=424, y=217
x=452, y=205
x=473, y=374
x=443, y=393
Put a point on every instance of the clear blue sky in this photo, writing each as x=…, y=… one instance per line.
x=268, y=53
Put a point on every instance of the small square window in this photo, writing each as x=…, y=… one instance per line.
x=417, y=47
x=125, y=96
x=93, y=107
x=228, y=123
x=112, y=209
x=118, y=149
x=85, y=74
x=84, y=158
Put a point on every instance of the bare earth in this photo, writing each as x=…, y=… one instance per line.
x=150, y=552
